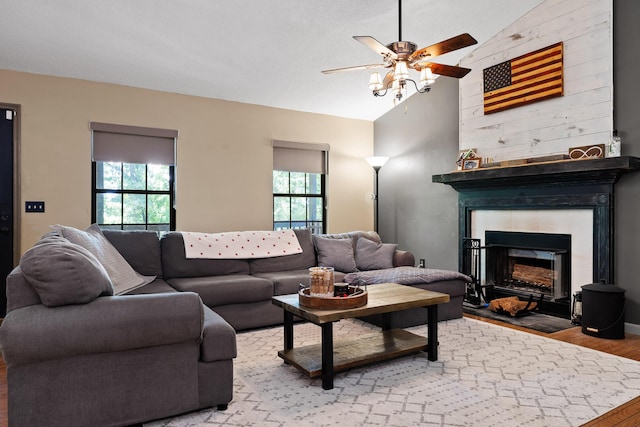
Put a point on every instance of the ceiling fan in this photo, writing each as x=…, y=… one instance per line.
x=400, y=56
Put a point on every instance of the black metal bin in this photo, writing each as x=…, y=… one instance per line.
x=603, y=309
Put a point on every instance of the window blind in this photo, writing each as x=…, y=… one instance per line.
x=300, y=157
x=132, y=144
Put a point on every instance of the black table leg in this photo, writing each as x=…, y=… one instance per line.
x=288, y=330
x=432, y=332
x=327, y=355
x=386, y=321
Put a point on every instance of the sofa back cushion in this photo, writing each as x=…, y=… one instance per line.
x=288, y=262
x=141, y=249
x=354, y=235
x=176, y=264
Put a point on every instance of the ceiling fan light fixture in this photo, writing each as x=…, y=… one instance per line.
x=401, y=71
x=375, y=81
x=426, y=77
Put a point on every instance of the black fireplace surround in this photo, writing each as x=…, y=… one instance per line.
x=570, y=184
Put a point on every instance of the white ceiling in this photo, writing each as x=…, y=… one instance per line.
x=265, y=52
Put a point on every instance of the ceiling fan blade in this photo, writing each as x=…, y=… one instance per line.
x=358, y=67
x=445, y=46
x=388, y=78
x=376, y=46
x=443, y=70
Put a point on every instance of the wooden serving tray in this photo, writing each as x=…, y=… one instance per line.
x=332, y=303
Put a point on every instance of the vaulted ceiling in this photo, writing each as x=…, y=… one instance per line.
x=265, y=52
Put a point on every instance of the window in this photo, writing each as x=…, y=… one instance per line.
x=133, y=172
x=299, y=178
x=133, y=196
x=298, y=201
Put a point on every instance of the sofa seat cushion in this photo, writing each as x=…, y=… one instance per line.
x=226, y=289
x=105, y=325
x=218, y=338
x=288, y=282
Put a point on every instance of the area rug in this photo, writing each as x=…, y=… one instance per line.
x=486, y=375
x=536, y=321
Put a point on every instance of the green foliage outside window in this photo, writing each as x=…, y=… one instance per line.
x=298, y=200
x=133, y=196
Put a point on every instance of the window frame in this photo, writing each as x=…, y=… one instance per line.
x=308, y=223
x=170, y=192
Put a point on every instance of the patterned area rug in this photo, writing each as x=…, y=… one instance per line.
x=486, y=375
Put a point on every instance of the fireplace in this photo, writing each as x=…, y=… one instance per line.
x=530, y=266
x=571, y=198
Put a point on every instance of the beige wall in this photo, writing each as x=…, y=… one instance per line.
x=224, y=154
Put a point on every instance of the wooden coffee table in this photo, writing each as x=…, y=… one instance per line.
x=327, y=358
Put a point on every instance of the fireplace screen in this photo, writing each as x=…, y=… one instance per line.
x=529, y=264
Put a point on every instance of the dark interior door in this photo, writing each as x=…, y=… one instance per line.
x=6, y=202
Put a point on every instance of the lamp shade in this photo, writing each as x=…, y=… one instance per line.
x=375, y=82
x=426, y=77
x=401, y=72
x=377, y=162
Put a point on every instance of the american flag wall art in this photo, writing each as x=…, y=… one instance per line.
x=528, y=78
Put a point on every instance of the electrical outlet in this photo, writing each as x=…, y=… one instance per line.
x=421, y=264
x=34, y=206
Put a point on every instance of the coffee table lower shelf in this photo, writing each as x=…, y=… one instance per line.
x=350, y=353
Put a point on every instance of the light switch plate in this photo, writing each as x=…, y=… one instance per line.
x=34, y=206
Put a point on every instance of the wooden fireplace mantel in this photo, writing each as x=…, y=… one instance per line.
x=567, y=184
x=563, y=172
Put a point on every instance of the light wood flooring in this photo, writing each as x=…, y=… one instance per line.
x=627, y=415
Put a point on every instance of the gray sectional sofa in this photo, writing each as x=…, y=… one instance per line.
x=77, y=354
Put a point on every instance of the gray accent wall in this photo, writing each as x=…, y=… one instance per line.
x=626, y=116
x=421, y=138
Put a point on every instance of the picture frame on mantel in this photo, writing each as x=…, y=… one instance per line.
x=467, y=153
x=471, y=163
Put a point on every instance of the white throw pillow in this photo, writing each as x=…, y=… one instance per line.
x=123, y=277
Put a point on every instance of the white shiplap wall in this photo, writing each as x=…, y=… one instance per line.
x=583, y=116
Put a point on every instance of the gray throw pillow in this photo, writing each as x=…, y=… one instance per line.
x=336, y=253
x=63, y=273
x=374, y=256
x=123, y=276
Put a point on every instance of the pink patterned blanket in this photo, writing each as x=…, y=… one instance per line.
x=241, y=244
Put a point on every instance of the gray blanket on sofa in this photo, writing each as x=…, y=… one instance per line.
x=404, y=276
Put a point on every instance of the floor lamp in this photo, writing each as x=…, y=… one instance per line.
x=376, y=163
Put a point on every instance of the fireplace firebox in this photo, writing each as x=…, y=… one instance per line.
x=530, y=266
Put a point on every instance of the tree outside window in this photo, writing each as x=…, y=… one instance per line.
x=130, y=196
x=299, y=201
